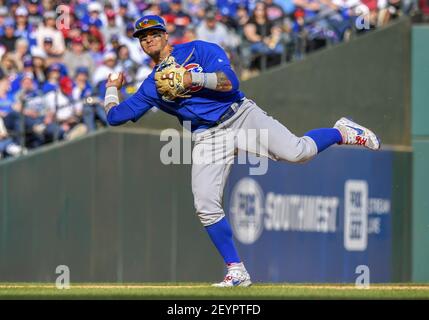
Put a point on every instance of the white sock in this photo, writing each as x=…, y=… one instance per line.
x=236, y=265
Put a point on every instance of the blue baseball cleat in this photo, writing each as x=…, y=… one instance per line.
x=356, y=134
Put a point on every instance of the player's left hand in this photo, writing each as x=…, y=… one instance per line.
x=172, y=80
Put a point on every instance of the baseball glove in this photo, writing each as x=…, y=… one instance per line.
x=169, y=79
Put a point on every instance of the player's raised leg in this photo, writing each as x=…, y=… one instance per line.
x=284, y=145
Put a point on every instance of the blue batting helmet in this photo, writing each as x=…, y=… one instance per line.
x=149, y=22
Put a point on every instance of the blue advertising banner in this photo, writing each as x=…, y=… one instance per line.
x=322, y=221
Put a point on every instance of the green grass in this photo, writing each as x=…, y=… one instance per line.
x=204, y=291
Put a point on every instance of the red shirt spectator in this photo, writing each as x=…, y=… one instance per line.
x=424, y=7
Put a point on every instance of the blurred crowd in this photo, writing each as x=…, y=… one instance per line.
x=56, y=56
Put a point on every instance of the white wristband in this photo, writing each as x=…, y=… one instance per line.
x=206, y=80
x=111, y=96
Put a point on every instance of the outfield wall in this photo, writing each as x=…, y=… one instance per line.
x=106, y=207
x=420, y=142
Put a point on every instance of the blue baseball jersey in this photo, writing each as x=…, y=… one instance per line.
x=203, y=108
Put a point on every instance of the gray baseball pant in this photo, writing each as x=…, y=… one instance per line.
x=249, y=129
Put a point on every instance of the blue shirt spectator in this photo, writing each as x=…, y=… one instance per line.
x=229, y=7
x=6, y=103
x=287, y=5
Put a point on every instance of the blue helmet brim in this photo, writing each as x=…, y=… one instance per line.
x=139, y=32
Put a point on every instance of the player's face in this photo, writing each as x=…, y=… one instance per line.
x=153, y=41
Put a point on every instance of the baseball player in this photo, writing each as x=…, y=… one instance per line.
x=194, y=82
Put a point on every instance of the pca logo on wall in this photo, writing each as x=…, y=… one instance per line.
x=356, y=215
x=247, y=210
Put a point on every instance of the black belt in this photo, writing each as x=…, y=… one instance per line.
x=227, y=114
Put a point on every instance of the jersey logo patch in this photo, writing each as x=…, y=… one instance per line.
x=194, y=67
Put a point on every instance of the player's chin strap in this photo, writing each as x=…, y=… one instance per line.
x=183, y=64
x=189, y=57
